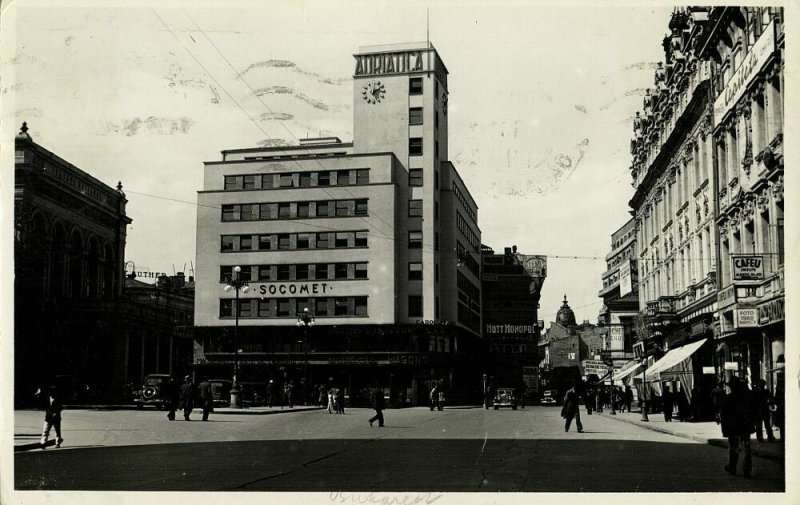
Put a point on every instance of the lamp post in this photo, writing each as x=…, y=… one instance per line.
x=305, y=320
x=235, y=283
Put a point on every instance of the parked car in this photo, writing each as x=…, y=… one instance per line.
x=151, y=392
x=221, y=392
x=550, y=397
x=506, y=397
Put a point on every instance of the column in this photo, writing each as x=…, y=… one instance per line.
x=775, y=108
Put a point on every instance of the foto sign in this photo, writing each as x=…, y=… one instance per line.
x=747, y=317
x=748, y=267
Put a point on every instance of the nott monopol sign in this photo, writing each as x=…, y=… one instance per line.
x=748, y=267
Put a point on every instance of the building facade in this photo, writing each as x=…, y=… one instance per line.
x=512, y=286
x=745, y=48
x=367, y=235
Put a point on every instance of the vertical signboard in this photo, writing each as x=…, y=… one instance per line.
x=616, y=338
x=625, y=281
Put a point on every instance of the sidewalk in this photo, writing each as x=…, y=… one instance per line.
x=263, y=411
x=707, y=432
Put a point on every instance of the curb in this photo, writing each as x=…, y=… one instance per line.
x=227, y=411
x=709, y=441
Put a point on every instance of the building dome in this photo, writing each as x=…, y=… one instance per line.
x=565, y=316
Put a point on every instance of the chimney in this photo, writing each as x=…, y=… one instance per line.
x=178, y=281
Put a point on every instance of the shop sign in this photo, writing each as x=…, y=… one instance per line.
x=749, y=267
x=616, y=338
x=772, y=311
x=625, y=284
x=755, y=59
x=389, y=63
x=307, y=288
x=731, y=365
x=747, y=317
x=510, y=329
x=708, y=370
x=726, y=296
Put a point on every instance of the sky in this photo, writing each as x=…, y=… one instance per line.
x=540, y=108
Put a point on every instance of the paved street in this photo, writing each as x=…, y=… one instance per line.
x=459, y=449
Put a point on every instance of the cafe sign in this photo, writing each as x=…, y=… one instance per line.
x=748, y=267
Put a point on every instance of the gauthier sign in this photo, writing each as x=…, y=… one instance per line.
x=747, y=267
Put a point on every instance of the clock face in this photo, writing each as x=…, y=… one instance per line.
x=444, y=103
x=373, y=92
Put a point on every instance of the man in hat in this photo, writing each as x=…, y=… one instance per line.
x=737, y=418
x=270, y=393
x=187, y=394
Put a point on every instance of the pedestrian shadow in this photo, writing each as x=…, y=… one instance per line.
x=32, y=446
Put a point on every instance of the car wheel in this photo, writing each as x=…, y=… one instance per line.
x=149, y=392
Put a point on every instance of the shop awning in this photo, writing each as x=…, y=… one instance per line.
x=629, y=368
x=673, y=357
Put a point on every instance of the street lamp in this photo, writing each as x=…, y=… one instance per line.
x=305, y=320
x=235, y=283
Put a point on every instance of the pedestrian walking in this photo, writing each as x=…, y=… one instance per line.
x=598, y=398
x=288, y=394
x=378, y=404
x=684, y=408
x=588, y=399
x=738, y=422
x=340, y=401
x=323, y=396
x=52, y=415
x=270, y=393
x=206, y=398
x=667, y=403
x=570, y=411
x=331, y=400
x=628, y=398
x=187, y=397
x=434, y=396
x=763, y=399
x=440, y=400
x=171, y=398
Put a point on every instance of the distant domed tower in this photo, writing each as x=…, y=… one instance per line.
x=565, y=316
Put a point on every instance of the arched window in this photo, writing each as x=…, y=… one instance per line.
x=76, y=273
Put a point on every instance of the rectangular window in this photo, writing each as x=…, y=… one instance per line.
x=283, y=307
x=284, y=210
x=340, y=271
x=284, y=241
x=229, y=243
x=361, y=239
x=245, y=308
x=250, y=181
x=414, y=306
x=360, y=305
x=362, y=176
x=264, y=273
x=321, y=271
x=226, y=308
x=415, y=116
x=436, y=210
x=415, y=146
x=436, y=148
x=267, y=181
x=323, y=209
x=230, y=212
x=269, y=211
x=415, y=271
x=436, y=241
x=343, y=178
x=225, y=273
x=323, y=240
x=305, y=180
x=361, y=207
x=284, y=273
x=303, y=209
x=300, y=304
x=246, y=243
x=342, y=208
x=324, y=179
x=321, y=306
x=286, y=180
x=436, y=272
x=415, y=86
x=340, y=306
x=341, y=239
x=303, y=240
x=233, y=182
x=415, y=239
x=415, y=177
x=301, y=272
x=265, y=242
x=415, y=208
x=250, y=212
x=265, y=308
x=436, y=179
x=361, y=271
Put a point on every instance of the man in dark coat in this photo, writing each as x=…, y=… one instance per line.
x=169, y=390
x=206, y=398
x=187, y=394
x=737, y=418
x=763, y=399
x=628, y=398
x=667, y=403
x=52, y=415
x=270, y=393
x=378, y=404
x=570, y=409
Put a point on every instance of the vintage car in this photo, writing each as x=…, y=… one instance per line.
x=221, y=392
x=550, y=397
x=152, y=391
x=506, y=397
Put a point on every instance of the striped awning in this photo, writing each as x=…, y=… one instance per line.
x=673, y=357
